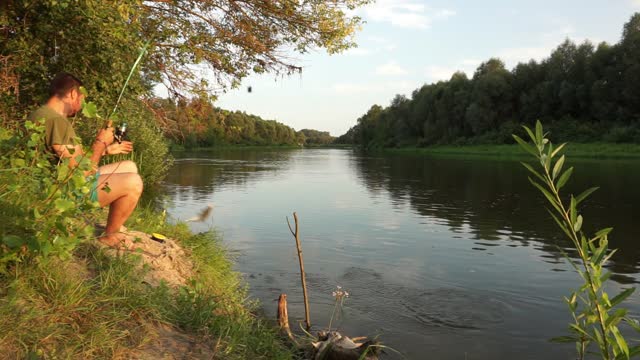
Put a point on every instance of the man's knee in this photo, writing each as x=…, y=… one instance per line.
x=134, y=181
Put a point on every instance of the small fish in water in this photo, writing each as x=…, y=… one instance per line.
x=204, y=214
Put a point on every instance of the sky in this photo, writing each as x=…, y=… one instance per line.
x=405, y=44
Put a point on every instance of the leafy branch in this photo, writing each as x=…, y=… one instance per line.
x=595, y=321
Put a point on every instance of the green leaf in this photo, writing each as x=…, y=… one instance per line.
x=561, y=225
x=63, y=205
x=615, y=318
x=622, y=296
x=635, y=324
x=579, y=330
x=547, y=194
x=564, y=339
x=557, y=150
x=573, y=211
x=622, y=344
x=524, y=145
x=564, y=178
x=604, y=232
x=598, y=254
x=633, y=351
x=90, y=110
x=578, y=224
x=539, y=133
x=533, y=137
x=12, y=241
x=584, y=194
x=606, y=258
x=533, y=171
x=557, y=167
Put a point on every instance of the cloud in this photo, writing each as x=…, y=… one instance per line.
x=405, y=13
x=391, y=69
x=471, y=62
x=550, y=40
x=635, y=4
x=513, y=56
x=436, y=73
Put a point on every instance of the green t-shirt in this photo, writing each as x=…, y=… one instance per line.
x=58, y=129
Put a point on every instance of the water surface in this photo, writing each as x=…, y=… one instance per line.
x=444, y=257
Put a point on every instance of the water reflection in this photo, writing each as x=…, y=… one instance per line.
x=493, y=200
x=196, y=175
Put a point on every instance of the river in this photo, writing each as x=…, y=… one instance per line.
x=443, y=257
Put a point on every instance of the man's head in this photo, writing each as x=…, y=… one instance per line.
x=66, y=88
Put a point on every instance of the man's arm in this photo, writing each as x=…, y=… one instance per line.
x=99, y=147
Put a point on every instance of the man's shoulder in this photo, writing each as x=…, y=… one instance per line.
x=45, y=112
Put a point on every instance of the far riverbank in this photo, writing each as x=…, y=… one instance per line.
x=588, y=150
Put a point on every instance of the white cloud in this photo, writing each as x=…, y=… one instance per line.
x=550, y=41
x=470, y=63
x=391, y=69
x=405, y=13
x=437, y=73
x=513, y=56
x=635, y=4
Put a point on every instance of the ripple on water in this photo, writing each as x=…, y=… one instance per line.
x=422, y=310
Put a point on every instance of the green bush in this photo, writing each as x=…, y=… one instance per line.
x=41, y=203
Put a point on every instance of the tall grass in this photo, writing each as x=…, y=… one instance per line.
x=96, y=306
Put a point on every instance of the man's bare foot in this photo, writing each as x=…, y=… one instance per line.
x=117, y=241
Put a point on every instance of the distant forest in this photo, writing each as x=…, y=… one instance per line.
x=198, y=123
x=582, y=93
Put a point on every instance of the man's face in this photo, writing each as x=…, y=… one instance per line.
x=74, y=102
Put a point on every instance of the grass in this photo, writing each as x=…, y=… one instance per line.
x=590, y=150
x=95, y=306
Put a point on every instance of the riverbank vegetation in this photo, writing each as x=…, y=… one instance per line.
x=596, y=150
x=61, y=296
x=197, y=123
x=581, y=92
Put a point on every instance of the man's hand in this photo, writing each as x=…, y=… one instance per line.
x=106, y=135
x=124, y=147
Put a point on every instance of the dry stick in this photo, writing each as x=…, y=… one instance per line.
x=302, y=274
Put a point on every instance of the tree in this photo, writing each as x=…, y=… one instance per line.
x=490, y=102
x=630, y=53
x=99, y=40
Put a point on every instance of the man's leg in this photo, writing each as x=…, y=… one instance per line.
x=126, y=166
x=125, y=190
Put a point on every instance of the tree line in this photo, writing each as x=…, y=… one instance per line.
x=197, y=122
x=583, y=93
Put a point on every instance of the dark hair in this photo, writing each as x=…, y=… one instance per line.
x=62, y=84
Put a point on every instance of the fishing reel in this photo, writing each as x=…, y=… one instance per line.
x=120, y=132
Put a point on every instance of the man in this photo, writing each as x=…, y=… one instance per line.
x=65, y=100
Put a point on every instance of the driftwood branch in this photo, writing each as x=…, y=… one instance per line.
x=296, y=235
x=283, y=317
